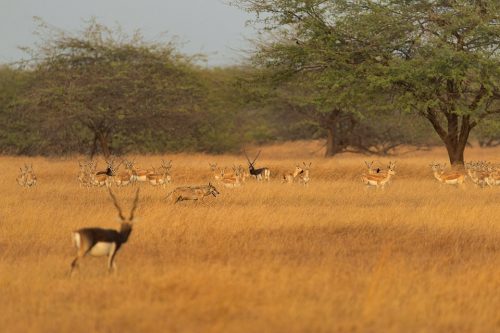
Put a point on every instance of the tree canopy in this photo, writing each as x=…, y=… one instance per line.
x=437, y=59
x=366, y=75
x=111, y=85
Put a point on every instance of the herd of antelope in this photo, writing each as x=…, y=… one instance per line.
x=481, y=173
x=107, y=242
x=88, y=175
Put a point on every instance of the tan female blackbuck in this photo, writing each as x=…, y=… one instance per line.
x=380, y=178
x=100, y=242
x=447, y=177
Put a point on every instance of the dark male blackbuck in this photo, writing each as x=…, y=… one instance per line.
x=100, y=242
x=105, y=177
x=261, y=173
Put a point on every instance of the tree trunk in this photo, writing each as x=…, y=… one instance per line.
x=103, y=139
x=330, y=142
x=333, y=145
x=94, y=147
x=455, y=153
x=455, y=138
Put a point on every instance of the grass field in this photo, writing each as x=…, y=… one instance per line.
x=331, y=257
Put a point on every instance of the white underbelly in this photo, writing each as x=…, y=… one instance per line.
x=156, y=182
x=231, y=184
x=102, y=249
x=76, y=239
x=141, y=178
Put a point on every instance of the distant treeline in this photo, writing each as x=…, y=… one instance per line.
x=366, y=78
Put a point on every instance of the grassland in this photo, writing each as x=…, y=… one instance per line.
x=331, y=257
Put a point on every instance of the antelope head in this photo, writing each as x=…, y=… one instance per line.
x=166, y=165
x=212, y=190
x=298, y=170
x=251, y=165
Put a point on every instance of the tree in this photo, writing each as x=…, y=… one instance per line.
x=110, y=85
x=321, y=66
x=445, y=66
x=15, y=136
x=437, y=58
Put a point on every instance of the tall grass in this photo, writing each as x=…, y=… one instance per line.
x=271, y=257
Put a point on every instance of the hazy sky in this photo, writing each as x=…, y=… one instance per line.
x=208, y=26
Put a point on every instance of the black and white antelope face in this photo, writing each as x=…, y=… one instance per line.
x=261, y=173
x=104, y=242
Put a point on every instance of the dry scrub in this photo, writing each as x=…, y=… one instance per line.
x=331, y=257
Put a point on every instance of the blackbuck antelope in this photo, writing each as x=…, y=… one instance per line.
x=478, y=172
x=244, y=174
x=304, y=176
x=139, y=175
x=100, y=242
x=447, y=177
x=259, y=174
x=379, y=179
x=231, y=179
x=161, y=177
x=301, y=173
x=290, y=177
x=216, y=172
x=370, y=170
x=125, y=177
x=192, y=192
x=483, y=173
x=105, y=177
x=27, y=178
x=21, y=179
x=493, y=177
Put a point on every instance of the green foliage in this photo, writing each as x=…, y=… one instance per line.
x=359, y=59
x=111, y=86
x=358, y=73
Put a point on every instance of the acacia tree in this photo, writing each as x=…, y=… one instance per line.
x=13, y=131
x=320, y=64
x=437, y=58
x=446, y=67
x=109, y=84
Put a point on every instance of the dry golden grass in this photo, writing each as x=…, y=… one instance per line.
x=331, y=257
